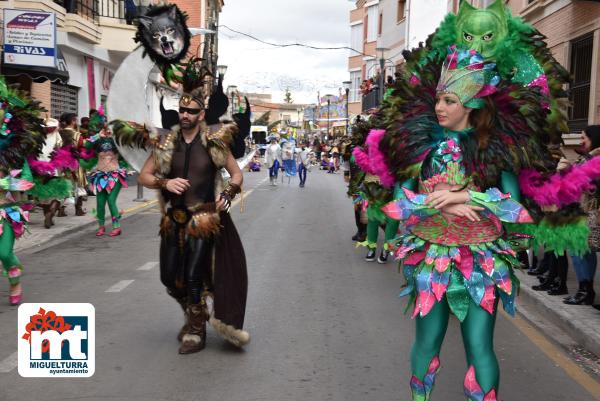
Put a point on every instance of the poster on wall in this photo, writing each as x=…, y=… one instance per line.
x=29, y=38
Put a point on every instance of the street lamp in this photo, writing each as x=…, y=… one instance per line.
x=232, y=89
x=221, y=70
x=347, y=85
x=381, y=51
x=328, y=106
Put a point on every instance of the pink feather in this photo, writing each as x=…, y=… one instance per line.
x=86, y=154
x=362, y=160
x=41, y=167
x=63, y=159
x=377, y=158
x=560, y=189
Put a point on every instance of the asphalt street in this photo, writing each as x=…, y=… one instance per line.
x=325, y=324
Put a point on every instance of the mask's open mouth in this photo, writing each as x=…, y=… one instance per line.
x=167, y=48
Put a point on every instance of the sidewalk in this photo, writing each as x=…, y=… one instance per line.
x=38, y=235
x=580, y=322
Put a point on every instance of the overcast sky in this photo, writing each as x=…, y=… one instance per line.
x=257, y=67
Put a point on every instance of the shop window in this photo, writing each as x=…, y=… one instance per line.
x=63, y=99
x=581, y=71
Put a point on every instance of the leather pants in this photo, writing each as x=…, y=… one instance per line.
x=186, y=272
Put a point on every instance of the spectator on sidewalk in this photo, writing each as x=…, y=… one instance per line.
x=585, y=265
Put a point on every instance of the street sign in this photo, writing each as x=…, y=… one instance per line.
x=29, y=38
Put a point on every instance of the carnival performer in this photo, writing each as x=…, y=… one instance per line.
x=109, y=175
x=273, y=160
x=52, y=170
x=72, y=136
x=21, y=133
x=288, y=158
x=375, y=192
x=355, y=176
x=202, y=260
x=464, y=136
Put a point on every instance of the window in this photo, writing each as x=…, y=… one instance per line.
x=63, y=99
x=401, y=10
x=356, y=39
x=371, y=68
x=372, y=28
x=581, y=71
x=355, y=87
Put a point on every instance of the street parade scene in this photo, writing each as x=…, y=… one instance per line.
x=348, y=200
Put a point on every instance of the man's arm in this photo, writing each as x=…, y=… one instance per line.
x=149, y=180
x=233, y=187
x=147, y=177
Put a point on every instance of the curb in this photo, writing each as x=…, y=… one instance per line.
x=576, y=320
x=58, y=237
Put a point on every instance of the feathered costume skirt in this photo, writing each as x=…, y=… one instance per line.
x=17, y=216
x=106, y=180
x=458, y=259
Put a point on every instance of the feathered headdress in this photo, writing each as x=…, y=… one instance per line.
x=466, y=75
x=21, y=128
x=192, y=80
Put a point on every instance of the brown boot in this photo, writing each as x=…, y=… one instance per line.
x=195, y=339
x=62, y=212
x=186, y=326
x=79, y=207
x=48, y=214
x=54, y=205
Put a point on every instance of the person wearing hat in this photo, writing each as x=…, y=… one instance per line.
x=202, y=260
x=49, y=169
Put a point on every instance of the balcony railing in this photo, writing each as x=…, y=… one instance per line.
x=371, y=100
x=92, y=10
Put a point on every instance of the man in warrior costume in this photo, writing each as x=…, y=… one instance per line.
x=202, y=260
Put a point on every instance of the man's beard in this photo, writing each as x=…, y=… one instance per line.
x=188, y=124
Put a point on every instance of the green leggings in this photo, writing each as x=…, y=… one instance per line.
x=10, y=262
x=102, y=198
x=391, y=229
x=478, y=339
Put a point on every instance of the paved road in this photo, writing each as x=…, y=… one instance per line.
x=325, y=324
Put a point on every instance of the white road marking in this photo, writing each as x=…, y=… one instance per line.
x=246, y=194
x=148, y=266
x=9, y=363
x=120, y=286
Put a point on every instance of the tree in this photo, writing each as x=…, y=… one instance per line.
x=288, y=96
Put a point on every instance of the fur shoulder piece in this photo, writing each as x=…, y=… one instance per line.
x=218, y=143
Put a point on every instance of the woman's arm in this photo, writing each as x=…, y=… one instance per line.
x=510, y=184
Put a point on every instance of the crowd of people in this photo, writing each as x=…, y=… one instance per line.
x=78, y=160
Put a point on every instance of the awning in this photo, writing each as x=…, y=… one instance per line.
x=60, y=73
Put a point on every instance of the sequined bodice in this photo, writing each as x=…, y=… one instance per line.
x=444, y=164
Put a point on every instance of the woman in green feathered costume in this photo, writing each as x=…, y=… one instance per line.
x=21, y=133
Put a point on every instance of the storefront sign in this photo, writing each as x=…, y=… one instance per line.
x=29, y=38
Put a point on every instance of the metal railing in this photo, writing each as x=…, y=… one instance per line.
x=125, y=10
x=371, y=100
